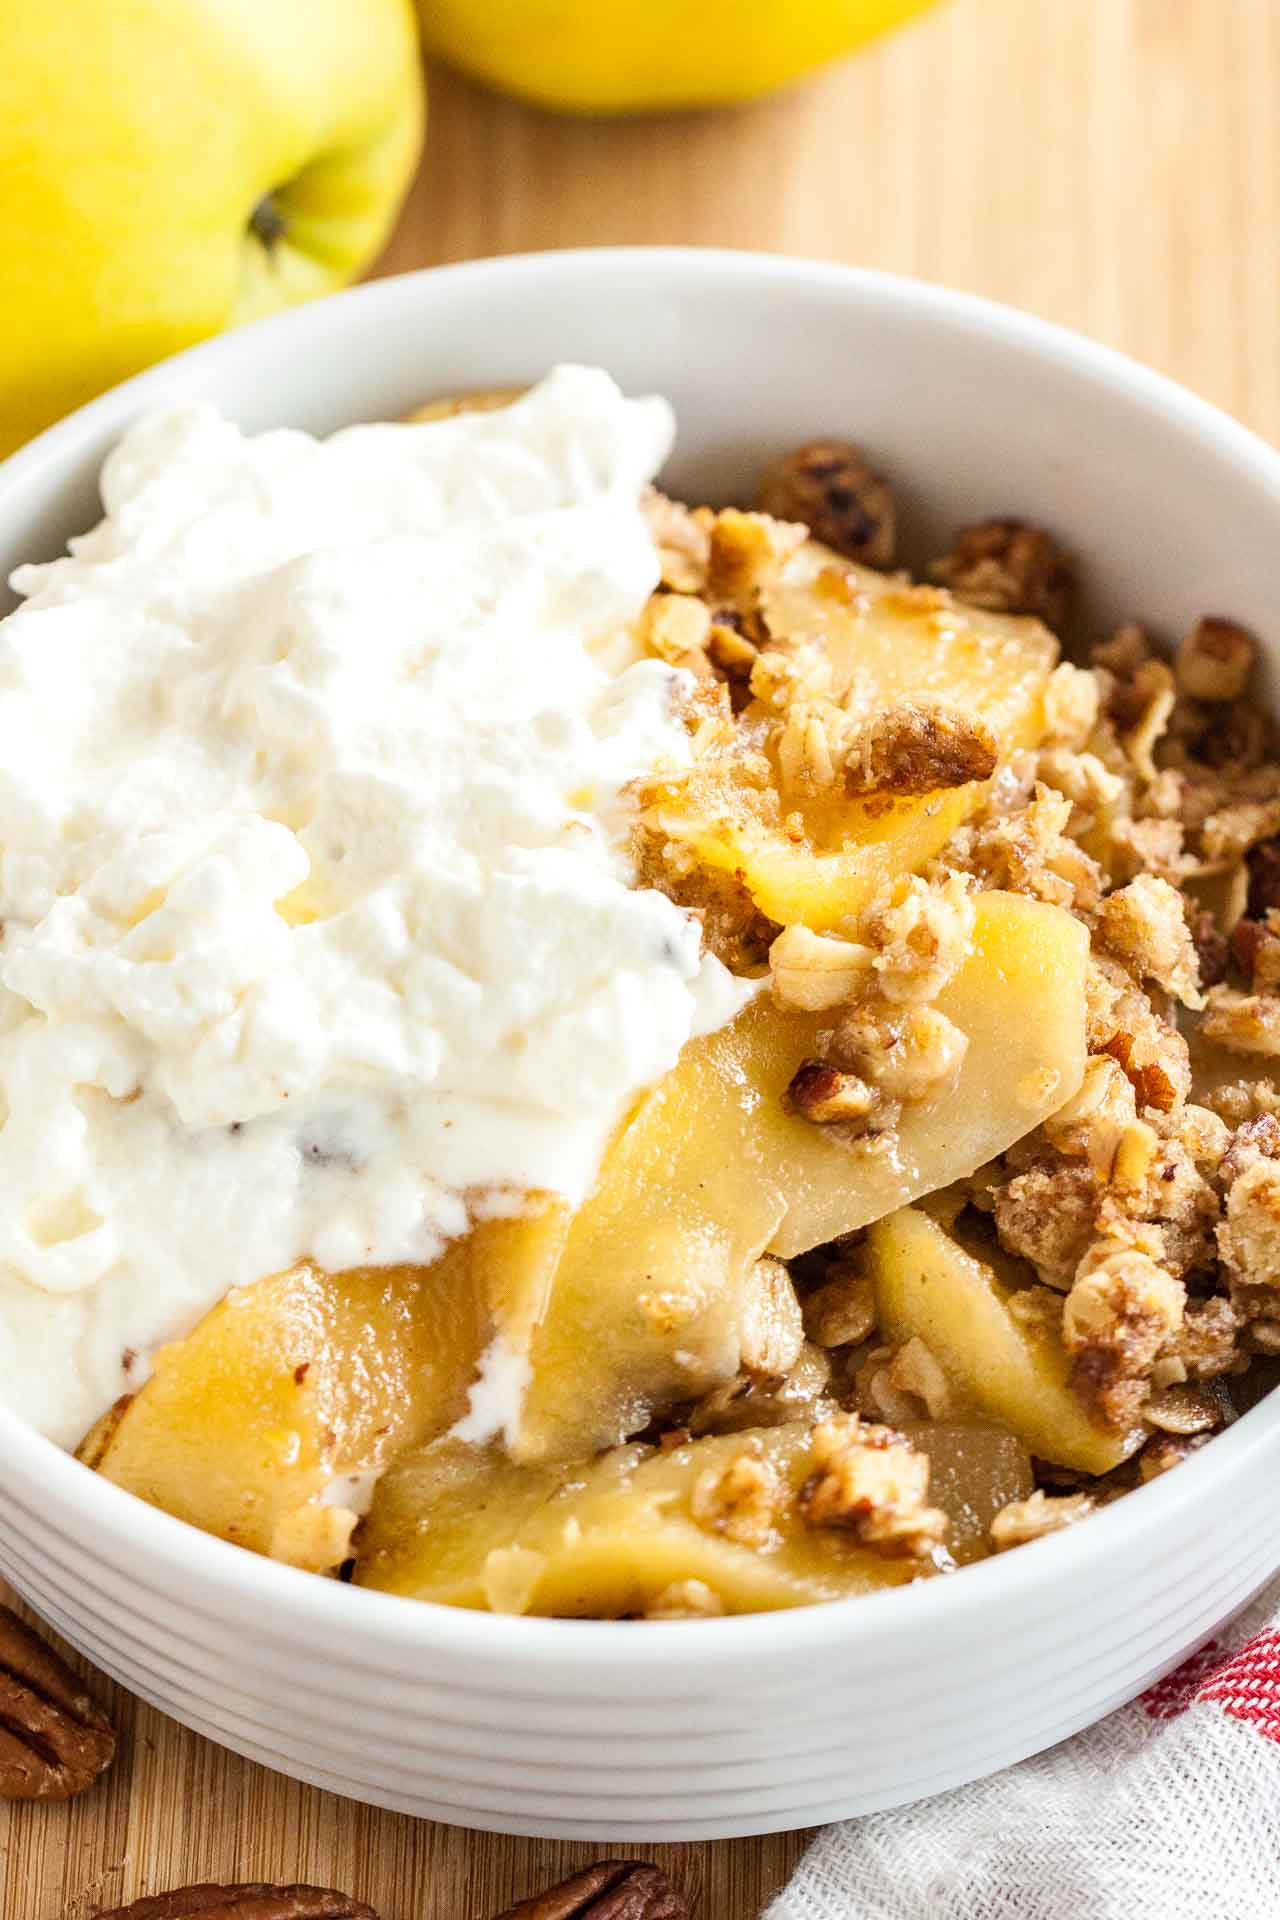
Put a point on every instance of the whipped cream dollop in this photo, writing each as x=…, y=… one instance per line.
x=320, y=937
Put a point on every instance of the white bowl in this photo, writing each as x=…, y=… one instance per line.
x=683, y=1731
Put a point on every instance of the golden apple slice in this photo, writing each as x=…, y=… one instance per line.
x=307, y=1376
x=899, y=642
x=647, y=1301
x=1019, y=997
x=646, y=1304
x=1015, y=1369
x=470, y=1529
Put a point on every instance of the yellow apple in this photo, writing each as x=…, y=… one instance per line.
x=632, y=56
x=171, y=167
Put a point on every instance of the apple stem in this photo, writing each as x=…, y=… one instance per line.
x=267, y=222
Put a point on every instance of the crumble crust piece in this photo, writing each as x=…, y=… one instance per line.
x=1010, y=566
x=869, y=1481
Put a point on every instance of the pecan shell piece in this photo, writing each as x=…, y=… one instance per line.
x=610, y=1890
x=253, y=1900
x=54, y=1739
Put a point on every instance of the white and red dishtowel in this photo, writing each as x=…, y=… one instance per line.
x=1168, y=1810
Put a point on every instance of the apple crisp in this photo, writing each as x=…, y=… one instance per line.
x=966, y=1225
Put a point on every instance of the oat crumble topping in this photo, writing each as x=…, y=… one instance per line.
x=1148, y=1219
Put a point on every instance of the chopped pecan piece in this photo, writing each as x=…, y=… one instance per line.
x=743, y=1500
x=844, y=502
x=1211, y=949
x=1009, y=566
x=869, y=1481
x=823, y=1094
x=1215, y=660
x=54, y=1739
x=253, y=1900
x=911, y=749
x=1263, y=863
x=1255, y=946
x=611, y=1890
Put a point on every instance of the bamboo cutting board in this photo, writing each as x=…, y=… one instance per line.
x=1113, y=164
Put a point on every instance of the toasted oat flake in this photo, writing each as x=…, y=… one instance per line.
x=1032, y=1519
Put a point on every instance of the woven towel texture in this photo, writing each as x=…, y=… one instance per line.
x=1168, y=1810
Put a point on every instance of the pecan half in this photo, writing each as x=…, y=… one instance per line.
x=831, y=488
x=251, y=1901
x=611, y=1890
x=54, y=1739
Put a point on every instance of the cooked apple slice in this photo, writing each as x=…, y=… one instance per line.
x=645, y=1307
x=958, y=1302
x=647, y=1301
x=470, y=1529
x=900, y=642
x=973, y=1472
x=289, y=1385
x=1019, y=997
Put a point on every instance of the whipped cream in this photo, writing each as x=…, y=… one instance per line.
x=319, y=933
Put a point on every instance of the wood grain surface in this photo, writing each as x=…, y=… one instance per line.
x=1112, y=164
